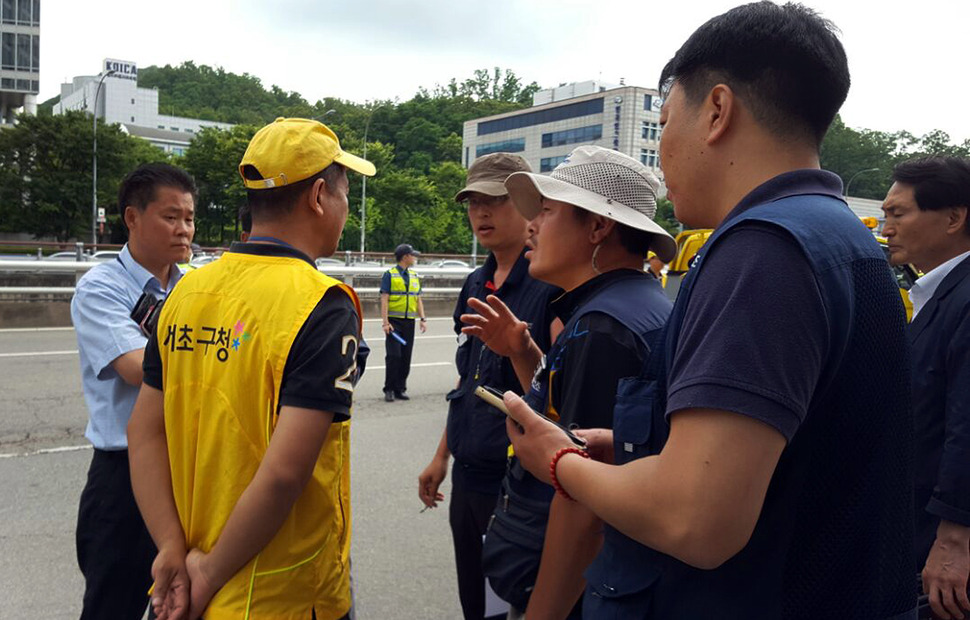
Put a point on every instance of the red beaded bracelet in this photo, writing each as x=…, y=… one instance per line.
x=555, y=461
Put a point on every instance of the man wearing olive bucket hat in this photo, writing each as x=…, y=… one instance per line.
x=591, y=225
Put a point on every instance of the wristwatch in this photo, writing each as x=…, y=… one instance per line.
x=424, y=320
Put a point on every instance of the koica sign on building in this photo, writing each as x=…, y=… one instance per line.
x=122, y=69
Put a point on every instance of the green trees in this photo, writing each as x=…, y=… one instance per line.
x=213, y=161
x=45, y=174
x=200, y=91
x=416, y=145
x=665, y=216
x=847, y=151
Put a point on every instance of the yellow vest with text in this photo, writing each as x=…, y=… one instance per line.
x=224, y=336
x=402, y=302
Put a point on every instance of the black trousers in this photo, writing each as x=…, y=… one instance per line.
x=468, y=514
x=397, y=356
x=114, y=551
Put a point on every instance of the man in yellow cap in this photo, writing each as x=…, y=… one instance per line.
x=240, y=436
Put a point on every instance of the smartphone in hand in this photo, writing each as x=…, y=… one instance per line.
x=496, y=399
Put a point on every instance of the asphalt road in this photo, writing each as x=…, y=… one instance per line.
x=403, y=561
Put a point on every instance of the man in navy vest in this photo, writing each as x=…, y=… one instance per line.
x=772, y=476
x=927, y=226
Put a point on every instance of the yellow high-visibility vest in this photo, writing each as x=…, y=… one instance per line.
x=402, y=302
x=224, y=336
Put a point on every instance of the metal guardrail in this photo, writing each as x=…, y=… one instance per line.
x=35, y=249
x=37, y=290
x=347, y=273
x=64, y=266
x=46, y=266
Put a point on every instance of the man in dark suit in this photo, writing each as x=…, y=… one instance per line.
x=927, y=225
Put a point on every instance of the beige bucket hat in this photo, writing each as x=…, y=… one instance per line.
x=601, y=181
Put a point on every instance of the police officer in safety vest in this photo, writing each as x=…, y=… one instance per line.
x=240, y=438
x=400, y=306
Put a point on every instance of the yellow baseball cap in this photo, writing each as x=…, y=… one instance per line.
x=289, y=150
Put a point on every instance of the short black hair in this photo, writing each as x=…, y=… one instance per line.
x=938, y=182
x=270, y=204
x=633, y=240
x=139, y=187
x=785, y=63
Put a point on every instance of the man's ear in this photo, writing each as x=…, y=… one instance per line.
x=957, y=221
x=600, y=228
x=316, y=195
x=720, y=111
x=130, y=215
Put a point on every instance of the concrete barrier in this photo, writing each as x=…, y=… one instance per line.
x=38, y=293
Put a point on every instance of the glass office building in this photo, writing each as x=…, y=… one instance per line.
x=624, y=118
x=19, y=57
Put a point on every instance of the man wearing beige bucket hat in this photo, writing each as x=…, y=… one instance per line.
x=591, y=226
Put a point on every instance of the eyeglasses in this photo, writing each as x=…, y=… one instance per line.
x=477, y=202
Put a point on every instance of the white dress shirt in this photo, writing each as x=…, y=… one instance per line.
x=922, y=291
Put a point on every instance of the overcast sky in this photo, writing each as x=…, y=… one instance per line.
x=908, y=59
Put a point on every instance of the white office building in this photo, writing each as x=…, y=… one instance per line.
x=19, y=58
x=624, y=118
x=135, y=109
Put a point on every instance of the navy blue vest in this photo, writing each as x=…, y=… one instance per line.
x=638, y=303
x=513, y=543
x=834, y=536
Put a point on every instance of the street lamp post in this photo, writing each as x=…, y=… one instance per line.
x=94, y=163
x=852, y=178
x=363, y=188
x=324, y=116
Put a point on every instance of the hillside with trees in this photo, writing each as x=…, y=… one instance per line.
x=416, y=145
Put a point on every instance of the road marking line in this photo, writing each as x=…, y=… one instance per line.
x=38, y=353
x=47, y=451
x=16, y=330
x=20, y=330
x=376, y=343
x=88, y=446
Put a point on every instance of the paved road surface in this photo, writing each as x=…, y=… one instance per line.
x=403, y=561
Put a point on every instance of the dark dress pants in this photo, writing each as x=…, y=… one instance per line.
x=398, y=356
x=114, y=551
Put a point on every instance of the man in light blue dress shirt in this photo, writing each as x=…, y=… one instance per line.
x=114, y=550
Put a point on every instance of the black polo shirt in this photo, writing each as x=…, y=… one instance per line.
x=596, y=355
x=316, y=357
x=815, y=349
x=476, y=430
x=781, y=345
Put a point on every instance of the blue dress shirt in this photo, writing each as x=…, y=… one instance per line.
x=101, y=309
